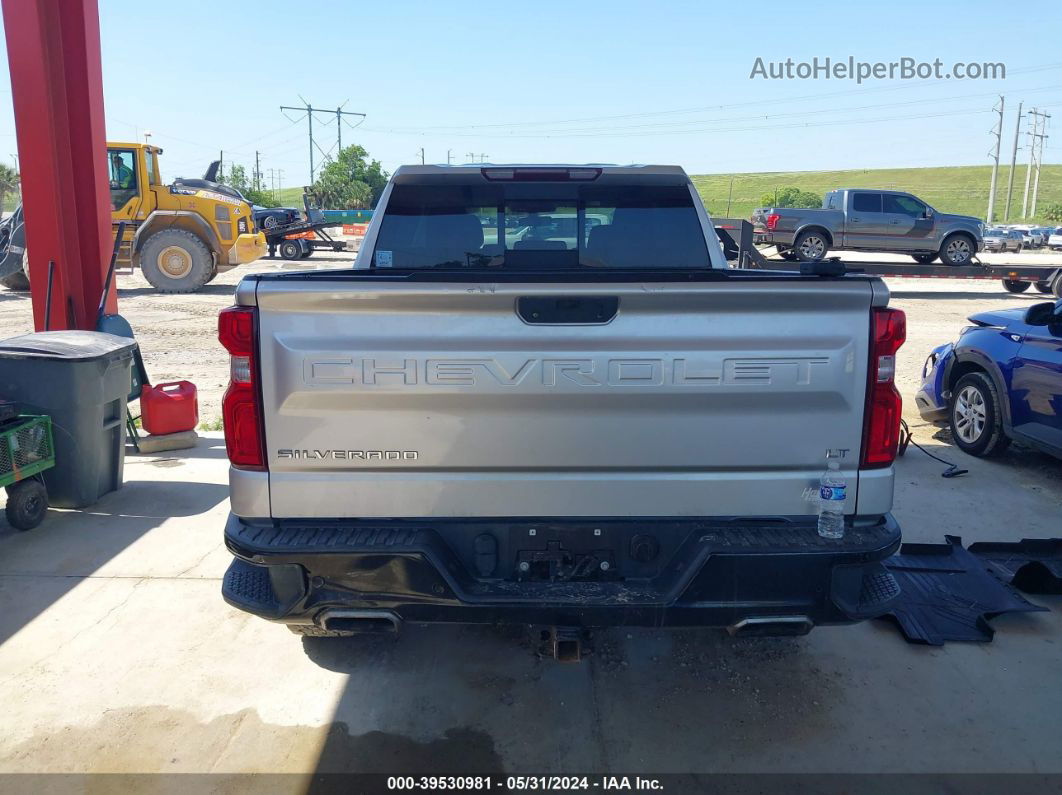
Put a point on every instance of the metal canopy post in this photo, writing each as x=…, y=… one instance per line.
x=53, y=48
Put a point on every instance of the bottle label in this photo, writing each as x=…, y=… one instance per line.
x=832, y=492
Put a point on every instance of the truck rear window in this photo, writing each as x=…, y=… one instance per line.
x=540, y=226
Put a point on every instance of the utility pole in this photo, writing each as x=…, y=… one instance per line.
x=421, y=155
x=257, y=171
x=221, y=166
x=310, y=110
x=1028, y=171
x=1039, y=162
x=729, y=196
x=1013, y=165
x=448, y=157
x=998, y=132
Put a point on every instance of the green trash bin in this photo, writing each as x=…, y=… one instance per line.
x=81, y=380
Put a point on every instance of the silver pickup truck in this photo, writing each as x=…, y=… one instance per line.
x=870, y=220
x=540, y=397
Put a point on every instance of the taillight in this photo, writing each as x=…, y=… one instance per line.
x=240, y=408
x=772, y=220
x=881, y=419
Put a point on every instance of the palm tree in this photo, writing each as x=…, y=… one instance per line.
x=8, y=182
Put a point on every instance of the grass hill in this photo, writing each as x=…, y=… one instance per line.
x=290, y=197
x=955, y=189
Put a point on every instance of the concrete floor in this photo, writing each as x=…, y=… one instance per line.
x=117, y=654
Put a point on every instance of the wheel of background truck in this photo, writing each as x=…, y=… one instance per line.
x=811, y=246
x=1057, y=288
x=1043, y=286
x=924, y=259
x=27, y=503
x=957, y=250
x=975, y=417
x=19, y=280
x=305, y=249
x=176, y=261
x=1013, y=286
x=16, y=281
x=290, y=249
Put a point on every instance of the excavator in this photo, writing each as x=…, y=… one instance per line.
x=180, y=235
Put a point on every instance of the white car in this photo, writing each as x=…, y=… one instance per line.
x=1054, y=242
x=1030, y=237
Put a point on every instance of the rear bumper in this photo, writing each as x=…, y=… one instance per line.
x=928, y=410
x=930, y=398
x=658, y=572
x=769, y=238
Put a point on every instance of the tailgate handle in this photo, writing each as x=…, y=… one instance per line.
x=583, y=310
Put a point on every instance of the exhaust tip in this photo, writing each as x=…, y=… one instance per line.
x=771, y=626
x=361, y=622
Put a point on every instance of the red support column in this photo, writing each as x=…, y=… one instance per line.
x=53, y=47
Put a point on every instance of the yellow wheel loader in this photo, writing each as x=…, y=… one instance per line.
x=180, y=235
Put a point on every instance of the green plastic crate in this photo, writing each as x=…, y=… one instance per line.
x=25, y=448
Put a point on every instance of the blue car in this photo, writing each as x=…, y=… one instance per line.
x=1002, y=380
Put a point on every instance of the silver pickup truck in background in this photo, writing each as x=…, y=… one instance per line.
x=870, y=220
x=540, y=397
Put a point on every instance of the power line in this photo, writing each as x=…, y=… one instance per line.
x=1013, y=165
x=1034, y=137
x=997, y=131
x=710, y=108
x=803, y=113
x=1038, y=148
x=285, y=128
x=310, y=111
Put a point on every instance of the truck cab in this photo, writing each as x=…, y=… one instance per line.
x=183, y=234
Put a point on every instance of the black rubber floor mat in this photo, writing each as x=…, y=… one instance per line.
x=948, y=594
x=1033, y=565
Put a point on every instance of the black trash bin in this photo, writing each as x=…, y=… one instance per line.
x=81, y=380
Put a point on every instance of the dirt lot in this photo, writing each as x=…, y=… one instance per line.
x=117, y=653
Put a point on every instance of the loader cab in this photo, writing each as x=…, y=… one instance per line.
x=131, y=169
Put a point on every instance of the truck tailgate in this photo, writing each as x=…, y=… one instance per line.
x=391, y=399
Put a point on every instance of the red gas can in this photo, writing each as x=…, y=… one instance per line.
x=169, y=408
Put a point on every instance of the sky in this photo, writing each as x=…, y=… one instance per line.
x=542, y=82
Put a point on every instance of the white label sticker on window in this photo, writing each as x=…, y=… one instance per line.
x=383, y=259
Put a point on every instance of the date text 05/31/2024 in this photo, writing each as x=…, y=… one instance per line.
x=523, y=783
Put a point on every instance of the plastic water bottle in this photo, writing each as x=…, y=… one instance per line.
x=832, y=490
